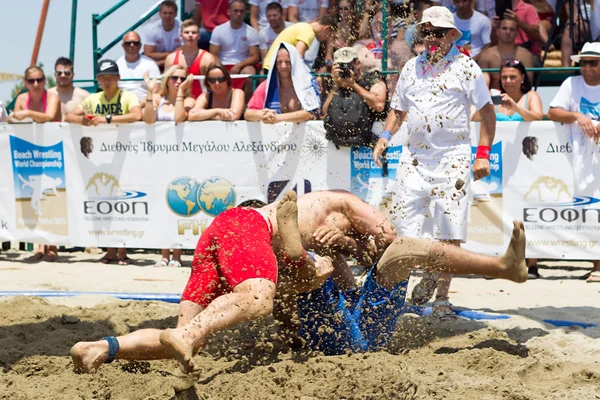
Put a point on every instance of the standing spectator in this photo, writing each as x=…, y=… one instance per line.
x=163, y=37
x=171, y=103
x=577, y=104
x=306, y=10
x=134, y=65
x=110, y=105
x=209, y=14
x=302, y=35
x=276, y=25
x=506, y=49
x=37, y=104
x=195, y=59
x=258, y=12
x=235, y=43
x=223, y=102
x=475, y=27
x=438, y=153
x=69, y=96
x=528, y=22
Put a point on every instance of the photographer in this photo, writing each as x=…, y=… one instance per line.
x=355, y=102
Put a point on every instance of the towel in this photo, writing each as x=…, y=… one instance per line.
x=305, y=85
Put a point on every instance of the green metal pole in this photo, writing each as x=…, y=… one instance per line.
x=73, y=29
x=182, y=10
x=103, y=50
x=95, y=47
x=384, y=34
x=112, y=10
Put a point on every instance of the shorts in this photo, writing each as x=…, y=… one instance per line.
x=336, y=322
x=426, y=202
x=234, y=248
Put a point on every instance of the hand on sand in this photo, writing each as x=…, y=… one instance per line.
x=513, y=260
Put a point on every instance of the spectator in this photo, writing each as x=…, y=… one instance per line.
x=486, y=7
x=410, y=36
x=348, y=25
x=171, y=103
x=276, y=25
x=301, y=36
x=222, y=102
x=163, y=37
x=215, y=13
x=69, y=96
x=133, y=65
x=290, y=92
x=306, y=10
x=356, y=101
x=506, y=49
x=259, y=9
x=195, y=59
x=476, y=28
x=577, y=104
x=235, y=43
x=528, y=23
x=36, y=104
x=546, y=15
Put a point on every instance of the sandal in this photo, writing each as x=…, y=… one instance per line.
x=105, y=260
x=175, y=264
x=125, y=261
x=442, y=310
x=423, y=291
x=162, y=263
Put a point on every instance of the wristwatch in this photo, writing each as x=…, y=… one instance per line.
x=108, y=118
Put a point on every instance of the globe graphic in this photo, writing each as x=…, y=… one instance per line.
x=216, y=195
x=181, y=196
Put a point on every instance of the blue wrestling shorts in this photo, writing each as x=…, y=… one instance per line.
x=357, y=320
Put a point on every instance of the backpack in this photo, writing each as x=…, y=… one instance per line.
x=349, y=120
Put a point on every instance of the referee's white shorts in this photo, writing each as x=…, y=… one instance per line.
x=426, y=202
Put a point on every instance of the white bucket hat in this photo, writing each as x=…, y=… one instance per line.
x=440, y=17
x=589, y=50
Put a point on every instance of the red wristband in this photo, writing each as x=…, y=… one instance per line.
x=483, y=152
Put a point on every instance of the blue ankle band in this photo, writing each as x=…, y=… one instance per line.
x=113, y=347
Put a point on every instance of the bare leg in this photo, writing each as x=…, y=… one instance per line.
x=177, y=255
x=250, y=300
x=50, y=253
x=404, y=254
x=287, y=224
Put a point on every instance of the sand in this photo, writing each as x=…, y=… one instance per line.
x=518, y=358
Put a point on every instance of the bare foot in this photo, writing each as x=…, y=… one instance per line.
x=179, y=348
x=89, y=356
x=287, y=223
x=514, y=258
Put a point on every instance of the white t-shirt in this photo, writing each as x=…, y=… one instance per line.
x=595, y=20
x=234, y=43
x=488, y=7
x=262, y=10
x=476, y=31
x=438, y=104
x=308, y=9
x=267, y=36
x=575, y=95
x=137, y=70
x=165, y=42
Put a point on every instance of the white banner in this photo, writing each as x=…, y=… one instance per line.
x=160, y=185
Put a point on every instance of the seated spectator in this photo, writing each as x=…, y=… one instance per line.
x=235, y=43
x=577, y=104
x=290, y=92
x=546, y=15
x=195, y=59
x=528, y=23
x=348, y=24
x=69, y=96
x=173, y=101
x=133, y=65
x=506, y=49
x=222, y=102
x=276, y=25
x=259, y=9
x=410, y=34
x=302, y=35
x=519, y=101
x=475, y=27
x=306, y=10
x=209, y=14
x=36, y=104
x=163, y=37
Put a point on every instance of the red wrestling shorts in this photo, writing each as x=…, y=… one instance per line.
x=234, y=248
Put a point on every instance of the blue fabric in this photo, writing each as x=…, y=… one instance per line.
x=503, y=117
x=336, y=321
x=113, y=347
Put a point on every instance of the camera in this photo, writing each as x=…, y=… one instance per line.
x=497, y=100
x=345, y=70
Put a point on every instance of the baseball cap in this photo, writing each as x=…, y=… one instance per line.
x=345, y=55
x=440, y=17
x=107, y=67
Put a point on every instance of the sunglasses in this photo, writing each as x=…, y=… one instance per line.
x=35, y=80
x=133, y=43
x=591, y=63
x=177, y=78
x=219, y=79
x=436, y=33
x=511, y=63
x=65, y=73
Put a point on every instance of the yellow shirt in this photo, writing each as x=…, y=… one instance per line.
x=300, y=32
x=97, y=104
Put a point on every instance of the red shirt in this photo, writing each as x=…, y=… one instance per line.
x=257, y=102
x=528, y=14
x=214, y=13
